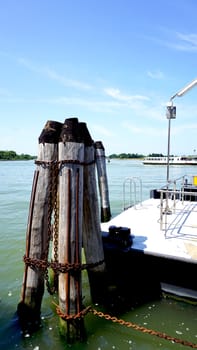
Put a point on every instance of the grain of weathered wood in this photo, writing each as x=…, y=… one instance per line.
x=71, y=154
x=92, y=238
x=102, y=181
x=37, y=231
x=70, y=149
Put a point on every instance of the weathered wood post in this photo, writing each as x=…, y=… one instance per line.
x=71, y=159
x=38, y=229
x=102, y=181
x=64, y=208
x=92, y=238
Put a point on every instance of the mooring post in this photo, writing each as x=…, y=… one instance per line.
x=102, y=181
x=92, y=238
x=71, y=159
x=38, y=229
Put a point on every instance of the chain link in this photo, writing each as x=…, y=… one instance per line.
x=44, y=264
x=67, y=317
x=51, y=170
x=58, y=267
x=142, y=329
x=56, y=212
x=54, y=236
x=52, y=231
x=128, y=324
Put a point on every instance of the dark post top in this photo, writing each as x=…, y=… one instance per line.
x=98, y=144
x=70, y=131
x=51, y=132
x=85, y=134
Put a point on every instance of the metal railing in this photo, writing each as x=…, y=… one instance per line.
x=172, y=197
x=179, y=190
x=132, y=196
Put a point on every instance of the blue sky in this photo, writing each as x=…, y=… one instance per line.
x=114, y=64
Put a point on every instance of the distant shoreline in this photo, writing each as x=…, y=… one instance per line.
x=128, y=158
x=15, y=160
x=12, y=155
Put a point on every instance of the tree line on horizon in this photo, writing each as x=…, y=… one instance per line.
x=12, y=155
x=134, y=155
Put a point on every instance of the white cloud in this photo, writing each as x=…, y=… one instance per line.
x=94, y=105
x=155, y=74
x=182, y=42
x=89, y=103
x=177, y=40
x=53, y=75
x=116, y=94
x=189, y=39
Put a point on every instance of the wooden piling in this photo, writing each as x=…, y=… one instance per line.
x=102, y=181
x=71, y=159
x=38, y=229
x=64, y=209
x=92, y=238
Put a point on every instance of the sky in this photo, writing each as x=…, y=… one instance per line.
x=113, y=64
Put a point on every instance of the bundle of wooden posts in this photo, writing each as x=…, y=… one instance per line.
x=64, y=216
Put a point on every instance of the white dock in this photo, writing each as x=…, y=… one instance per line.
x=176, y=238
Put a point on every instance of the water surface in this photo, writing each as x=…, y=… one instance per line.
x=174, y=317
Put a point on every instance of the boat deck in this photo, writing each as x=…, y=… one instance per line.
x=175, y=237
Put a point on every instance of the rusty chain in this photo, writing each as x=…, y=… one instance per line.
x=44, y=264
x=52, y=193
x=68, y=317
x=52, y=231
x=56, y=217
x=58, y=267
x=48, y=164
x=54, y=234
x=143, y=329
x=128, y=324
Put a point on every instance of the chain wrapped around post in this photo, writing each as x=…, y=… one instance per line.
x=128, y=324
x=44, y=263
x=52, y=228
x=58, y=267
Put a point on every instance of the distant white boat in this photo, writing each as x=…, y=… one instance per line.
x=182, y=160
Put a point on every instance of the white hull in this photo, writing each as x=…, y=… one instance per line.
x=164, y=234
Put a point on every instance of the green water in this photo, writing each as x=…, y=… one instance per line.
x=176, y=318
